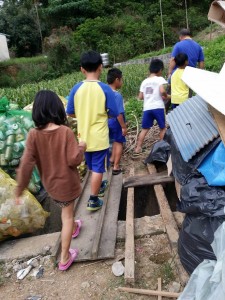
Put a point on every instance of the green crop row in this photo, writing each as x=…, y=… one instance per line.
x=24, y=95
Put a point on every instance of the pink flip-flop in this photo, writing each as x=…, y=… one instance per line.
x=77, y=231
x=73, y=255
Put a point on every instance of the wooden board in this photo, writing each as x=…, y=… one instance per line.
x=129, y=243
x=158, y=178
x=85, y=242
x=170, y=224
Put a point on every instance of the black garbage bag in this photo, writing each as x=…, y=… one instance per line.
x=183, y=171
x=195, y=238
x=160, y=152
x=198, y=197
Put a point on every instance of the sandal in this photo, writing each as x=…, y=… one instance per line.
x=73, y=255
x=77, y=231
x=116, y=172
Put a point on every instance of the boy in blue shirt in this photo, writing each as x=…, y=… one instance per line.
x=117, y=126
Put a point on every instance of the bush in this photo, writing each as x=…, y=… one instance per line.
x=62, y=56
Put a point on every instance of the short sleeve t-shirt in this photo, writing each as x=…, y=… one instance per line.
x=192, y=49
x=119, y=102
x=179, y=89
x=150, y=89
x=92, y=101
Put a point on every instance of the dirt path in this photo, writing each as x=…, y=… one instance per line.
x=95, y=280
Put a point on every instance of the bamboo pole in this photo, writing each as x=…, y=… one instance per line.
x=149, y=292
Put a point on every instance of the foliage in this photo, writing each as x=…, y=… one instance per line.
x=133, y=108
x=215, y=54
x=132, y=77
x=122, y=28
x=23, y=61
x=62, y=56
x=20, y=71
x=25, y=94
x=18, y=20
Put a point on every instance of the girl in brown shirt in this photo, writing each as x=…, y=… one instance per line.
x=52, y=147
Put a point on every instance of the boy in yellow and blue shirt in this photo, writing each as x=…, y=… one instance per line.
x=92, y=101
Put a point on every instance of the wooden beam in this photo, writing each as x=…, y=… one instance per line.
x=159, y=288
x=98, y=231
x=149, y=292
x=158, y=178
x=129, y=243
x=170, y=224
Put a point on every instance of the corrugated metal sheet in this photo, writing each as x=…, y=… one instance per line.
x=192, y=126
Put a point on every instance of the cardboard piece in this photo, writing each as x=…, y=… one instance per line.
x=220, y=122
x=217, y=12
x=208, y=85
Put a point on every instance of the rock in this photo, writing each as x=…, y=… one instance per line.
x=46, y=249
x=38, y=297
x=85, y=285
x=118, y=268
x=38, y=272
x=7, y=275
x=175, y=287
x=17, y=267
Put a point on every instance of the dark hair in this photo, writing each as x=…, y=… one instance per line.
x=90, y=61
x=113, y=74
x=180, y=59
x=48, y=108
x=185, y=32
x=156, y=65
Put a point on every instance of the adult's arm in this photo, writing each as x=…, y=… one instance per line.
x=172, y=65
x=201, y=65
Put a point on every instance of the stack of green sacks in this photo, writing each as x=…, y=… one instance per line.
x=14, y=127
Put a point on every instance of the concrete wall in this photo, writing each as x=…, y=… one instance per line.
x=164, y=57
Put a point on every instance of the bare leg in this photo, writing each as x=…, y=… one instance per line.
x=140, y=140
x=112, y=155
x=96, y=180
x=67, y=230
x=162, y=133
x=118, y=150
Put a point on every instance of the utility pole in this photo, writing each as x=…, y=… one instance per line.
x=38, y=23
x=163, y=35
x=186, y=14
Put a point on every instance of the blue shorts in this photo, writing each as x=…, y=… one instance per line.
x=154, y=114
x=115, y=131
x=98, y=161
x=174, y=105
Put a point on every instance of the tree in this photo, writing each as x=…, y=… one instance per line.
x=18, y=20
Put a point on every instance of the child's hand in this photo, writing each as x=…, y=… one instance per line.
x=83, y=145
x=124, y=131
